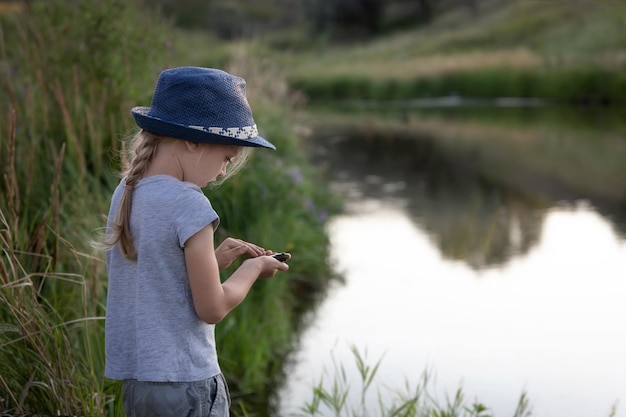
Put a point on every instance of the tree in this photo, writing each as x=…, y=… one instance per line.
x=346, y=16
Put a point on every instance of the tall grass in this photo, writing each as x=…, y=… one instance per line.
x=68, y=100
x=67, y=71
x=43, y=369
x=70, y=72
x=343, y=396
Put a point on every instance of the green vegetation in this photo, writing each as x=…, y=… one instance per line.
x=341, y=397
x=564, y=51
x=70, y=73
x=61, y=113
x=584, y=85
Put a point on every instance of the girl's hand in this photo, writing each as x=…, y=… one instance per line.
x=231, y=248
x=268, y=266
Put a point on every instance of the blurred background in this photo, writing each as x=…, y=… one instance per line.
x=450, y=180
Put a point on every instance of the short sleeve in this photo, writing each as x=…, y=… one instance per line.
x=195, y=213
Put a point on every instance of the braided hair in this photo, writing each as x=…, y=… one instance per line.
x=143, y=148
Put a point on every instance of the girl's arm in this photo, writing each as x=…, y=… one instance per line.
x=212, y=299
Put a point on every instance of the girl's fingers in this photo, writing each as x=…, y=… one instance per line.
x=253, y=249
x=241, y=246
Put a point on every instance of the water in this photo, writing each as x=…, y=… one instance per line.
x=484, y=287
x=551, y=323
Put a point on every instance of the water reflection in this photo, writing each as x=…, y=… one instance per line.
x=468, y=215
x=550, y=323
x=494, y=258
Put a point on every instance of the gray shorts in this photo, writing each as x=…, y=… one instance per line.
x=207, y=398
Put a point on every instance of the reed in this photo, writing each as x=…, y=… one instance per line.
x=342, y=396
x=43, y=371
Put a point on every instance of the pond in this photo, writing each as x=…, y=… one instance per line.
x=487, y=253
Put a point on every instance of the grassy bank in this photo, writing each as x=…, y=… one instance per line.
x=587, y=85
x=570, y=52
x=64, y=112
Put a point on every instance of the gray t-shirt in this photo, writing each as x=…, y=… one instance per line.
x=152, y=330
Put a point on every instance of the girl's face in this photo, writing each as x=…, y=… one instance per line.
x=208, y=163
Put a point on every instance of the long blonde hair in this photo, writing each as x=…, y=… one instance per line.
x=135, y=163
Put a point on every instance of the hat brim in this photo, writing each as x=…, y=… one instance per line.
x=178, y=131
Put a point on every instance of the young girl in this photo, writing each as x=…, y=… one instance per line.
x=164, y=291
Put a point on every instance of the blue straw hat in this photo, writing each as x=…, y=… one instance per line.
x=203, y=105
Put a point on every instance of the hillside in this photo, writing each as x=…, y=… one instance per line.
x=511, y=45
x=518, y=32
